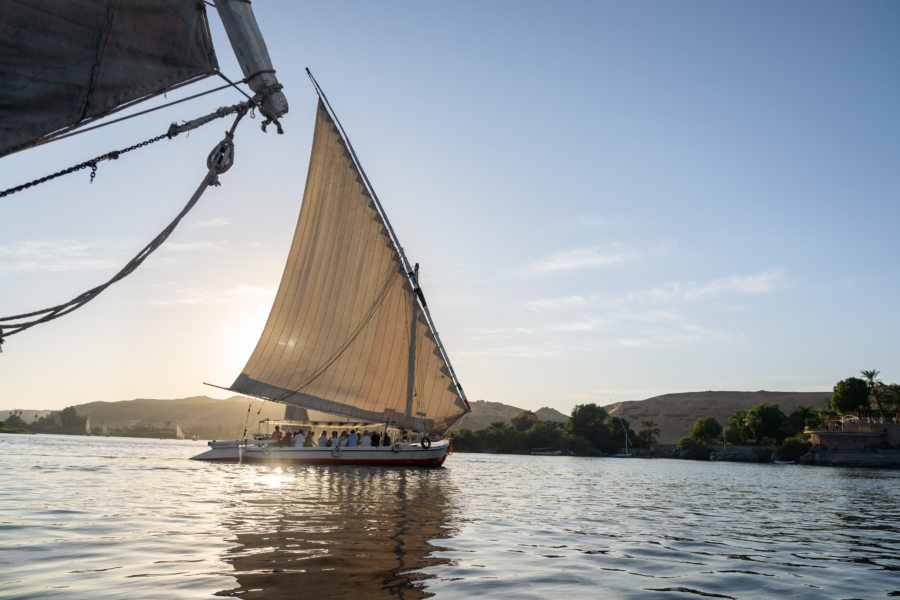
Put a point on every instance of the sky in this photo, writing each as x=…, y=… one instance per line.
x=609, y=201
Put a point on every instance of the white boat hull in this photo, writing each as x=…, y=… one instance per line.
x=411, y=455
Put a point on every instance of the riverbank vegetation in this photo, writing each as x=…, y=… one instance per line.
x=766, y=425
x=14, y=424
x=589, y=431
x=69, y=422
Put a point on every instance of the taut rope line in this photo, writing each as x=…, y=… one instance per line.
x=219, y=161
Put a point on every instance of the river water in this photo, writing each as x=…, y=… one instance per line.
x=97, y=517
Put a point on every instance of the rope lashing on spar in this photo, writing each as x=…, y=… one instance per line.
x=219, y=161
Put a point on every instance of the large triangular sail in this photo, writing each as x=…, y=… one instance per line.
x=349, y=333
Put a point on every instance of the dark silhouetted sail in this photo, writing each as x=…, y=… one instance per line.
x=347, y=334
x=67, y=62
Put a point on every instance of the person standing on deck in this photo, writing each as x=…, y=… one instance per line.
x=323, y=439
x=299, y=439
x=353, y=440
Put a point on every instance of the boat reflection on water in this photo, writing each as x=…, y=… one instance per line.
x=328, y=531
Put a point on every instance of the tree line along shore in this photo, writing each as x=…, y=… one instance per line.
x=764, y=430
x=68, y=422
x=592, y=430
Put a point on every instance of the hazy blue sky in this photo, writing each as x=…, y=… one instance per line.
x=609, y=201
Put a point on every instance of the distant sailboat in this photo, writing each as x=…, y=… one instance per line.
x=350, y=333
x=105, y=430
x=87, y=426
x=627, y=451
x=179, y=434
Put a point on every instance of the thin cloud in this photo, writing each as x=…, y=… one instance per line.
x=209, y=297
x=563, y=302
x=579, y=259
x=661, y=340
x=761, y=283
x=54, y=256
x=541, y=350
x=214, y=222
x=179, y=247
x=504, y=332
x=746, y=285
x=587, y=324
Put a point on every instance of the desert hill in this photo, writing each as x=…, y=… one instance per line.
x=675, y=414
x=210, y=418
x=206, y=417
x=484, y=413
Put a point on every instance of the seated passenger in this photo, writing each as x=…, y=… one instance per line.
x=287, y=439
x=323, y=439
x=299, y=439
x=365, y=439
x=333, y=442
x=353, y=439
x=376, y=439
x=342, y=441
x=310, y=441
x=385, y=439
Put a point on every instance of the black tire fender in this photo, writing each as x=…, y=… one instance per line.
x=426, y=442
x=396, y=447
x=336, y=451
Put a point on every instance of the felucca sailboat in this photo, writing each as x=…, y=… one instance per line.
x=350, y=333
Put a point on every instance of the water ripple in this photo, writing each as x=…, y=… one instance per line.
x=112, y=517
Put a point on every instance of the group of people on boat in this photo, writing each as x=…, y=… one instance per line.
x=301, y=439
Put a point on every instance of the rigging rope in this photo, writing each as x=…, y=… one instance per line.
x=78, y=129
x=219, y=161
x=173, y=131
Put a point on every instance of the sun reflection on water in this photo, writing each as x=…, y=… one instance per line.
x=295, y=526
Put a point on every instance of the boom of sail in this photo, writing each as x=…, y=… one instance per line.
x=349, y=332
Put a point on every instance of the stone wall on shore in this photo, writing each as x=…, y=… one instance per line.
x=880, y=458
x=744, y=453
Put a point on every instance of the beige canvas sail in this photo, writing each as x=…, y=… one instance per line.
x=346, y=334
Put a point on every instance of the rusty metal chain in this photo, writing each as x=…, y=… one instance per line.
x=92, y=163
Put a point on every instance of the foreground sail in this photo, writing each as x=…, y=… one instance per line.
x=68, y=63
x=350, y=333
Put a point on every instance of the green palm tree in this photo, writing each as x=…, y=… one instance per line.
x=649, y=431
x=876, y=387
x=753, y=423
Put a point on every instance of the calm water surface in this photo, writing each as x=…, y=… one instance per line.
x=114, y=518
